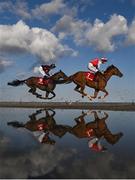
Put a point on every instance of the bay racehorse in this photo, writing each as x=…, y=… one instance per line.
x=97, y=128
x=80, y=79
x=34, y=82
x=47, y=125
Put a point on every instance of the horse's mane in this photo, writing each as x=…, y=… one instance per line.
x=109, y=67
x=56, y=73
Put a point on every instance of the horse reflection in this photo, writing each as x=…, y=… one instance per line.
x=43, y=127
x=46, y=126
x=94, y=130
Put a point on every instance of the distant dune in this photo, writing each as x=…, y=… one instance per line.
x=114, y=106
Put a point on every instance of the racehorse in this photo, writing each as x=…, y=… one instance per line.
x=97, y=128
x=34, y=83
x=46, y=125
x=79, y=78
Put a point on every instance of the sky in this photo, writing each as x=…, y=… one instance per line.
x=68, y=33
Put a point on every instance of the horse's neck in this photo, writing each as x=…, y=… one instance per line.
x=108, y=74
x=55, y=77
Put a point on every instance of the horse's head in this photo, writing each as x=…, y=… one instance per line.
x=58, y=75
x=114, y=70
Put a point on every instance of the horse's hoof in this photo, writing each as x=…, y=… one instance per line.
x=89, y=98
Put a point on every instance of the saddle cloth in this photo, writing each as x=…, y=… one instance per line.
x=89, y=76
x=43, y=81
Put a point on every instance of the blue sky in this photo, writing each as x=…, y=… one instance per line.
x=68, y=33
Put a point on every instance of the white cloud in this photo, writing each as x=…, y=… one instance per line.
x=20, y=8
x=130, y=39
x=4, y=64
x=100, y=34
x=40, y=12
x=37, y=41
x=53, y=7
x=68, y=25
x=42, y=159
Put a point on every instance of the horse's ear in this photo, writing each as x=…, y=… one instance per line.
x=112, y=65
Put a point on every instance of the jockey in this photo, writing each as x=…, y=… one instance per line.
x=94, y=64
x=95, y=145
x=44, y=70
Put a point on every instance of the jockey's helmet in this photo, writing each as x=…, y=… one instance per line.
x=104, y=60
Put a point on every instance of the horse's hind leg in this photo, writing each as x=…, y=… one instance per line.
x=52, y=94
x=106, y=94
x=33, y=91
x=81, y=91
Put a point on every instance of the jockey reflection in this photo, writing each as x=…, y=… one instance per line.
x=44, y=127
x=95, y=131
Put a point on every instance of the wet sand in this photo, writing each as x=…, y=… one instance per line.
x=113, y=106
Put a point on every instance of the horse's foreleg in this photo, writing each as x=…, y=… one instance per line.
x=106, y=94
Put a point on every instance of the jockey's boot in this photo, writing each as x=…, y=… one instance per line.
x=96, y=77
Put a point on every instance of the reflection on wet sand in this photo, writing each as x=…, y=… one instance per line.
x=95, y=131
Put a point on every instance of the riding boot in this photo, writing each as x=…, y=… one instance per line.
x=96, y=77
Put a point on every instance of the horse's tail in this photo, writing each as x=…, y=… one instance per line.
x=15, y=124
x=16, y=82
x=66, y=80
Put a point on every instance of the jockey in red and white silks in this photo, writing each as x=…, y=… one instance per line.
x=44, y=69
x=94, y=64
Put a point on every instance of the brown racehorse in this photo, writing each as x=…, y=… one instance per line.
x=98, y=127
x=33, y=83
x=81, y=81
x=82, y=129
x=46, y=124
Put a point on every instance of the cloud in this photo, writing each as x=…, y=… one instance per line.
x=54, y=162
x=68, y=25
x=130, y=38
x=40, y=12
x=52, y=7
x=19, y=8
x=20, y=38
x=100, y=35
x=17, y=163
x=4, y=64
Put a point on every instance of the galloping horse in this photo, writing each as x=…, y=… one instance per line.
x=33, y=83
x=47, y=125
x=97, y=128
x=79, y=78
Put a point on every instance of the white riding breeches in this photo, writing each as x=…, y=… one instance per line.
x=41, y=70
x=92, y=68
